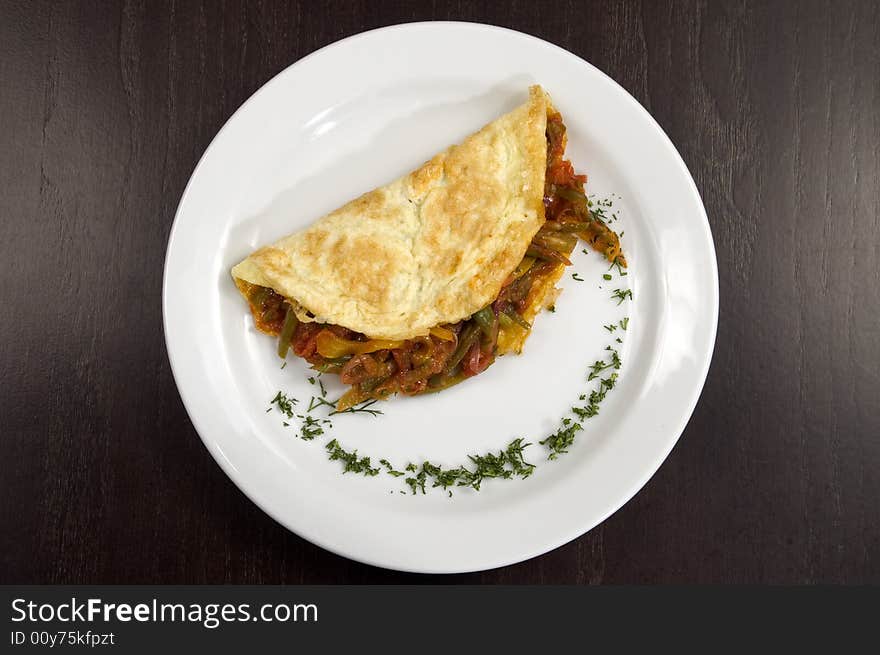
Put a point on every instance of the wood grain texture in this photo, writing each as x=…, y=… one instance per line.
x=105, y=108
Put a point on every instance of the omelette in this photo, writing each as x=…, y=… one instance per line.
x=420, y=284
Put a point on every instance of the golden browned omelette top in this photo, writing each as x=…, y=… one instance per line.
x=430, y=248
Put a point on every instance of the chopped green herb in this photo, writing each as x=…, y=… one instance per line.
x=317, y=401
x=284, y=403
x=362, y=408
x=624, y=323
x=591, y=407
x=611, y=327
x=310, y=429
x=606, y=276
x=620, y=295
x=616, y=263
x=598, y=208
x=352, y=464
x=390, y=469
x=615, y=360
x=504, y=464
x=607, y=384
x=587, y=411
x=577, y=277
x=559, y=441
x=596, y=368
x=417, y=482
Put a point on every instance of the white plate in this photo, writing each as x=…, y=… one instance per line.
x=355, y=115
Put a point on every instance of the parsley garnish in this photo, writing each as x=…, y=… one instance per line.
x=417, y=482
x=620, y=295
x=600, y=365
x=390, y=469
x=591, y=407
x=559, y=441
x=318, y=401
x=310, y=429
x=352, y=463
x=504, y=464
x=615, y=360
x=284, y=403
x=596, y=368
x=619, y=266
x=361, y=408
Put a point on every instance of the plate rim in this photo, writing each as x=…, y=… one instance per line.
x=687, y=410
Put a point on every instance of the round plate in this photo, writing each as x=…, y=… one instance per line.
x=358, y=114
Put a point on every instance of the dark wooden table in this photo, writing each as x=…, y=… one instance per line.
x=105, y=108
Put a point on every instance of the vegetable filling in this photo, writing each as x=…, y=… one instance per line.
x=378, y=368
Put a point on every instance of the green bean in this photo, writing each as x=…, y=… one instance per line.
x=485, y=318
x=556, y=129
x=559, y=241
x=570, y=194
x=328, y=366
x=444, y=380
x=575, y=227
x=371, y=383
x=287, y=330
x=514, y=316
x=541, y=251
x=466, y=339
x=258, y=295
x=270, y=315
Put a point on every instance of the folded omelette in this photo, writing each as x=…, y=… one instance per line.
x=420, y=284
